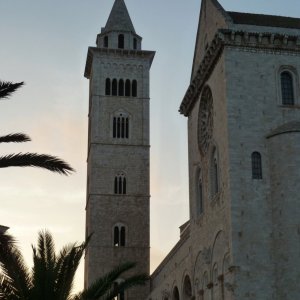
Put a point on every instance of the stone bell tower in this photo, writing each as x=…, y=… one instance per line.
x=117, y=205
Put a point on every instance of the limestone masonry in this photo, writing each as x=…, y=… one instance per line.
x=242, y=240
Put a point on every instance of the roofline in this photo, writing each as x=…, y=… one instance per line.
x=278, y=17
x=220, y=8
x=90, y=55
x=238, y=39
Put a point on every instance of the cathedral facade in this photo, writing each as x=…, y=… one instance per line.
x=242, y=240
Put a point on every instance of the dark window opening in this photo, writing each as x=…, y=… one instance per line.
x=256, y=165
x=121, y=295
x=114, y=87
x=127, y=88
x=119, y=236
x=116, y=236
x=287, y=88
x=115, y=128
x=107, y=86
x=127, y=129
x=134, y=88
x=175, y=293
x=121, y=41
x=122, y=237
x=106, y=41
x=121, y=127
x=120, y=185
x=121, y=87
x=134, y=43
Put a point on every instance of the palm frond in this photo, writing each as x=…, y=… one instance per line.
x=103, y=285
x=67, y=264
x=13, y=266
x=43, y=273
x=126, y=284
x=7, y=291
x=7, y=88
x=49, y=162
x=15, y=138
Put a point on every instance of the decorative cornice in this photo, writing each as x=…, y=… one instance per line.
x=120, y=52
x=240, y=39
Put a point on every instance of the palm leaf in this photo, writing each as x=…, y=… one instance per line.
x=13, y=266
x=7, y=291
x=43, y=269
x=8, y=88
x=15, y=138
x=45, y=161
x=127, y=284
x=67, y=264
x=103, y=285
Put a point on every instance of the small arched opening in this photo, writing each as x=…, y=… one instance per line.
x=187, y=288
x=107, y=86
x=287, y=88
x=175, y=294
x=134, y=88
x=121, y=41
x=106, y=41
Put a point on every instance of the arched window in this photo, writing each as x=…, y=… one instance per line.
x=120, y=184
x=134, y=88
x=256, y=165
x=121, y=87
x=287, y=88
x=214, y=173
x=175, y=295
x=114, y=87
x=134, y=43
x=199, y=193
x=106, y=41
x=127, y=88
x=121, y=295
x=121, y=126
x=107, y=86
x=121, y=41
x=187, y=288
x=119, y=236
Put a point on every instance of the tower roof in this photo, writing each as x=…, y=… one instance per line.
x=119, y=19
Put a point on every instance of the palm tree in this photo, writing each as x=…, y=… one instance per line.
x=52, y=275
x=45, y=161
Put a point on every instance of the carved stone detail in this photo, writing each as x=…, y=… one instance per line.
x=205, y=121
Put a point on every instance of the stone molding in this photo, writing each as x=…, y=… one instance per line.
x=244, y=40
x=115, y=52
x=285, y=128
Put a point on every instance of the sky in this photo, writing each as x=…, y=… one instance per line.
x=44, y=43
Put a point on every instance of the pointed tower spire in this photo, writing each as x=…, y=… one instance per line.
x=119, y=19
x=119, y=31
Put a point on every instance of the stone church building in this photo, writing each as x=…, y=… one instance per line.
x=242, y=240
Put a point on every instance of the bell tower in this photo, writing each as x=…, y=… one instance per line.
x=117, y=204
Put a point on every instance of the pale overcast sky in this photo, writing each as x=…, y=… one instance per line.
x=44, y=43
